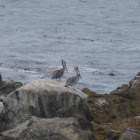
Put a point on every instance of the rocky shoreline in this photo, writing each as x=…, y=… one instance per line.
x=46, y=110
x=117, y=115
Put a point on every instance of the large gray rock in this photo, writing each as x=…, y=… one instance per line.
x=1, y=115
x=1, y=108
x=48, y=99
x=49, y=129
x=130, y=134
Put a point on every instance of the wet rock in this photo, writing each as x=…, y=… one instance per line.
x=130, y=134
x=49, y=129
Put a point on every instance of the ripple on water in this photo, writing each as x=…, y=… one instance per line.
x=96, y=36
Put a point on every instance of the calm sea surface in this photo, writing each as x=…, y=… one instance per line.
x=99, y=36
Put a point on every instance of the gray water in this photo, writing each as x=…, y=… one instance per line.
x=99, y=36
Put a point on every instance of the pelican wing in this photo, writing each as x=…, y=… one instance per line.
x=71, y=80
x=57, y=73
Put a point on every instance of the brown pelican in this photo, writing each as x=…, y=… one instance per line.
x=74, y=79
x=57, y=74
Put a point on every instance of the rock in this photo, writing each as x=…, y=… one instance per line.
x=99, y=105
x=1, y=108
x=134, y=82
x=7, y=87
x=60, y=113
x=17, y=131
x=1, y=116
x=88, y=92
x=49, y=129
x=112, y=135
x=120, y=90
x=45, y=98
x=111, y=74
x=5, y=138
x=2, y=98
x=130, y=134
x=115, y=112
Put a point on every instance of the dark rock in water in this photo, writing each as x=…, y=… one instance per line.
x=130, y=134
x=62, y=113
x=111, y=74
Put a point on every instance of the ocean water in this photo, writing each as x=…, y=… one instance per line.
x=98, y=36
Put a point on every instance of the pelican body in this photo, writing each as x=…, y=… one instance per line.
x=57, y=74
x=74, y=79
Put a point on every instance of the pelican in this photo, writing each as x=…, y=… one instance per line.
x=57, y=74
x=74, y=79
